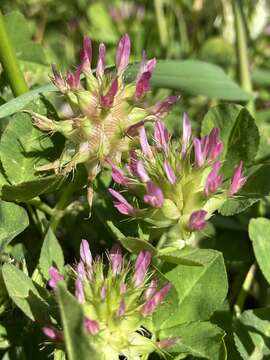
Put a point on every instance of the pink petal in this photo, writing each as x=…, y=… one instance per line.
x=186, y=136
x=101, y=61
x=123, y=53
x=154, y=196
x=55, y=277
x=161, y=136
x=144, y=144
x=238, y=180
x=157, y=299
x=169, y=172
x=91, y=326
x=86, y=54
x=85, y=253
x=197, y=220
x=141, y=266
x=108, y=99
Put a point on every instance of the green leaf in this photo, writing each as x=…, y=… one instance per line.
x=238, y=132
x=252, y=334
x=185, y=256
x=76, y=341
x=259, y=232
x=13, y=220
x=200, y=338
x=194, y=77
x=21, y=37
x=24, y=293
x=51, y=254
x=31, y=189
x=135, y=245
x=261, y=76
x=23, y=148
x=200, y=289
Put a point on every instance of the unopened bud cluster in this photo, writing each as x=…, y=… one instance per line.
x=106, y=110
x=116, y=300
x=175, y=182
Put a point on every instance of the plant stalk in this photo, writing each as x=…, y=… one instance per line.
x=10, y=63
x=240, y=301
x=242, y=51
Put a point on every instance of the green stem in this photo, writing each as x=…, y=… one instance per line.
x=240, y=301
x=58, y=210
x=9, y=62
x=242, y=51
x=41, y=206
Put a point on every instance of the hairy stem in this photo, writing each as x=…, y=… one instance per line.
x=240, y=301
x=9, y=62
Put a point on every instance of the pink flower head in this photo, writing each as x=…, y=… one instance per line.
x=55, y=277
x=121, y=204
x=161, y=136
x=169, y=172
x=157, y=299
x=163, y=107
x=101, y=61
x=85, y=253
x=197, y=220
x=186, y=136
x=238, y=180
x=215, y=147
x=79, y=293
x=86, y=55
x=108, y=99
x=81, y=270
x=123, y=53
x=154, y=196
x=91, y=326
x=73, y=79
x=122, y=308
x=118, y=174
x=213, y=180
x=52, y=333
x=116, y=259
x=141, y=266
x=144, y=144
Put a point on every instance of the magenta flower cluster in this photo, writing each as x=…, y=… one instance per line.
x=177, y=181
x=116, y=299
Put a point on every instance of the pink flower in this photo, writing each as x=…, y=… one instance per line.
x=86, y=55
x=101, y=61
x=186, y=136
x=154, y=196
x=238, y=180
x=116, y=259
x=122, y=308
x=123, y=53
x=121, y=204
x=161, y=136
x=157, y=299
x=163, y=107
x=197, y=220
x=199, y=154
x=118, y=174
x=55, y=277
x=141, y=266
x=85, y=253
x=215, y=147
x=149, y=292
x=214, y=180
x=169, y=172
x=141, y=172
x=144, y=144
x=144, y=76
x=52, y=333
x=108, y=99
x=91, y=326
x=73, y=79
